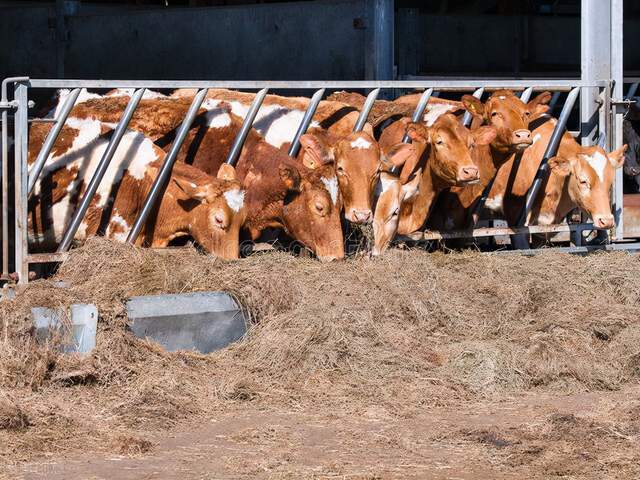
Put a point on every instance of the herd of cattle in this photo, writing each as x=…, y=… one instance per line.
x=369, y=177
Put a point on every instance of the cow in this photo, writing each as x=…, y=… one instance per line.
x=510, y=117
x=281, y=192
x=443, y=154
x=210, y=210
x=579, y=177
x=356, y=155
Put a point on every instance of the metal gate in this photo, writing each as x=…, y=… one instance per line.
x=16, y=253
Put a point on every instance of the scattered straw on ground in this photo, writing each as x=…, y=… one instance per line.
x=403, y=331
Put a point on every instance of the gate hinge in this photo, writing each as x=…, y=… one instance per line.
x=627, y=102
x=9, y=105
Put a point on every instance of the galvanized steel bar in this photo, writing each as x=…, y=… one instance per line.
x=616, y=134
x=5, y=171
x=101, y=169
x=165, y=171
x=236, y=148
x=466, y=120
x=20, y=184
x=366, y=109
x=633, y=88
x=552, y=149
x=443, y=84
x=306, y=121
x=525, y=96
x=51, y=138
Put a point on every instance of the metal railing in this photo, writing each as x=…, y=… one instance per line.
x=25, y=181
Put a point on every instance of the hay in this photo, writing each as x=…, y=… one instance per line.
x=399, y=332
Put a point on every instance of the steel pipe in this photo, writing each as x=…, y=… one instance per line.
x=236, y=148
x=525, y=96
x=551, y=150
x=5, y=171
x=633, y=88
x=101, y=169
x=306, y=121
x=159, y=183
x=51, y=139
x=366, y=109
x=466, y=120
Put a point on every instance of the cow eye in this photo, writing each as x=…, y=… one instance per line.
x=584, y=183
x=319, y=207
x=494, y=114
x=340, y=170
x=526, y=114
x=396, y=212
x=439, y=141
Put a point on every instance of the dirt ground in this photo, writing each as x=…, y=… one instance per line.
x=415, y=365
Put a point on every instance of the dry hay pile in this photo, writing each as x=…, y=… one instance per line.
x=404, y=331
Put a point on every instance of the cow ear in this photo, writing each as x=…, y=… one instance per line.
x=197, y=192
x=539, y=104
x=227, y=172
x=473, y=105
x=316, y=152
x=484, y=135
x=368, y=129
x=560, y=166
x=617, y=156
x=399, y=154
x=418, y=132
x=290, y=176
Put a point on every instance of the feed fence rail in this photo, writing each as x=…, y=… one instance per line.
x=15, y=196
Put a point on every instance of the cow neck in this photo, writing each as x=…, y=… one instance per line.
x=414, y=213
x=258, y=169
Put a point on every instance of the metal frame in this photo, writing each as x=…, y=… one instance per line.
x=25, y=182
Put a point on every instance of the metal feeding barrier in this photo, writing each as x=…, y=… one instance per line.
x=25, y=181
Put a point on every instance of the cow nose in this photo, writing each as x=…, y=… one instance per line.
x=468, y=174
x=522, y=138
x=603, y=221
x=361, y=216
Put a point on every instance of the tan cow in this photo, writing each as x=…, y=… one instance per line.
x=510, y=117
x=194, y=204
x=281, y=191
x=579, y=177
x=443, y=153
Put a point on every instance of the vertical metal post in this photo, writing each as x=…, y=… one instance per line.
x=51, y=138
x=165, y=171
x=236, y=148
x=466, y=120
x=366, y=109
x=306, y=121
x=101, y=169
x=380, y=54
x=595, y=61
x=616, y=136
x=20, y=183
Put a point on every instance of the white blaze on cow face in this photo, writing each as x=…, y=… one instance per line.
x=331, y=184
x=218, y=119
x=235, y=199
x=435, y=111
x=598, y=162
x=360, y=143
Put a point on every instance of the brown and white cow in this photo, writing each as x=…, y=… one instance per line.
x=444, y=156
x=579, y=177
x=356, y=155
x=510, y=117
x=194, y=204
x=281, y=191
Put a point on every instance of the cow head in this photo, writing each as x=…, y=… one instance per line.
x=312, y=205
x=510, y=117
x=449, y=145
x=215, y=221
x=589, y=173
x=392, y=190
x=357, y=162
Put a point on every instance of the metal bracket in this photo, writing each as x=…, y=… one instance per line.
x=9, y=105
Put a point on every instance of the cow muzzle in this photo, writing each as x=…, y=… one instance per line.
x=521, y=139
x=603, y=221
x=360, y=216
x=467, y=175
